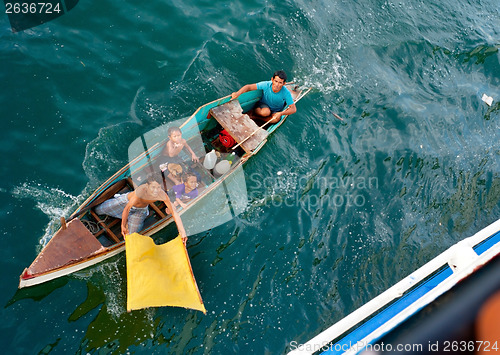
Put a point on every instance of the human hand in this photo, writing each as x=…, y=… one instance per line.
x=234, y=95
x=276, y=117
x=124, y=230
x=195, y=158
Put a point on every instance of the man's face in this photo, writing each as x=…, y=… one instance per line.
x=277, y=83
x=154, y=188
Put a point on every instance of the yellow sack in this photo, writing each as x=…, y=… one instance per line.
x=160, y=275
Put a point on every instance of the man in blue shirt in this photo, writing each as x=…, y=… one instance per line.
x=274, y=99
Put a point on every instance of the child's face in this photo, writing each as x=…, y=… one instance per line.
x=191, y=182
x=176, y=137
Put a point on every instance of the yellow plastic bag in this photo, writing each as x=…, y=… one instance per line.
x=160, y=275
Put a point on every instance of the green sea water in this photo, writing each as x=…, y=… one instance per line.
x=338, y=210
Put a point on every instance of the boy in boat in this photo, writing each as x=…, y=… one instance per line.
x=187, y=190
x=132, y=208
x=170, y=154
x=274, y=99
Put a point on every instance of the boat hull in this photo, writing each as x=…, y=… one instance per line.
x=27, y=280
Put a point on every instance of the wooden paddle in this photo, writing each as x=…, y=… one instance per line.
x=250, y=136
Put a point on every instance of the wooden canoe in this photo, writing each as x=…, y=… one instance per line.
x=87, y=238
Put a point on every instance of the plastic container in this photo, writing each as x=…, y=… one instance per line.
x=222, y=167
x=230, y=158
x=210, y=160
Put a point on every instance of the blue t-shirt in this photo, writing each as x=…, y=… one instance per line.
x=275, y=100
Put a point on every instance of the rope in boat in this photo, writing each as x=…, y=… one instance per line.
x=92, y=226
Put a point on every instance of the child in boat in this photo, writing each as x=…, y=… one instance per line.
x=187, y=190
x=170, y=154
x=132, y=207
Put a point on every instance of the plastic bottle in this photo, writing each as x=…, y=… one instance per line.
x=230, y=158
x=210, y=160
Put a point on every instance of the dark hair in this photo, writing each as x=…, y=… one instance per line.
x=173, y=129
x=281, y=74
x=187, y=175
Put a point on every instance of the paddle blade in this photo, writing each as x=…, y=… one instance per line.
x=159, y=275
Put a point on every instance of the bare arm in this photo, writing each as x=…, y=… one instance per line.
x=289, y=111
x=246, y=88
x=125, y=214
x=177, y=220
x=180, y=203
x=193, y=156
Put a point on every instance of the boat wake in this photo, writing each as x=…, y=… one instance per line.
x=147, y=108
x=325, y=73
x=52, y=201
x=319, y=61
x=110, y=279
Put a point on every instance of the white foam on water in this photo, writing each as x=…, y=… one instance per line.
x=284, y=188
x=318, y=58
x=133, y=106
x=327, y=72
x=52, y=201
x=108, y=276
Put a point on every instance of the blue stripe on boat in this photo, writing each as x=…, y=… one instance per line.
x=390, y=312
x=487, y=244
